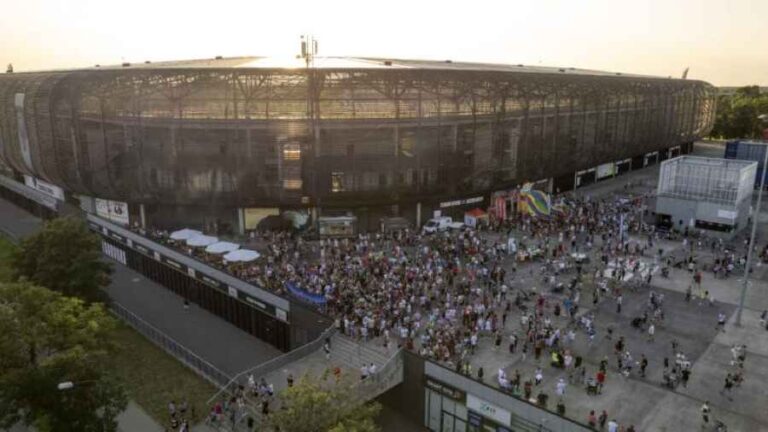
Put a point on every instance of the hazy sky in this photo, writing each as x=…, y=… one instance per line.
x=724, y=42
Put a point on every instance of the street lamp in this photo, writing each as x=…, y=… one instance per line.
x=751, y=246
x=67, y=385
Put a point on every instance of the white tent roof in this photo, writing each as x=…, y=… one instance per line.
x=242, y=255
x=222, y=247
x=184, y=234
x=201, y=240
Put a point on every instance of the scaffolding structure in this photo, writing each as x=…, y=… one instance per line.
x=722, y=181
x=706, y=193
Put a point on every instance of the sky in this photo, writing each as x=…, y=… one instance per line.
x=722, y=41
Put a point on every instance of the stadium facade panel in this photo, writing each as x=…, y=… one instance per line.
x=189, y=142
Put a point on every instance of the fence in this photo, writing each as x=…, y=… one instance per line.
x=184, y=355
x=274, y=364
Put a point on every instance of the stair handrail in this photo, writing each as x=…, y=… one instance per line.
x=275, y=363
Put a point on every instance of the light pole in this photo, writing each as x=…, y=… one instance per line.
x=754, y=232
x=67, y=385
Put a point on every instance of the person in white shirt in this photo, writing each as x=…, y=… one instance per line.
x=560, y=387
x=613, y=426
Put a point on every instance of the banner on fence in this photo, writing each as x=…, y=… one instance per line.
x=304, y=295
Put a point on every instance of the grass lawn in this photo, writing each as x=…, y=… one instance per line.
x=5, y=252
x=154, y=378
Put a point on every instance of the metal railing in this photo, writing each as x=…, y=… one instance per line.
x=390, y=375
x=274, y=364
x=181, y=353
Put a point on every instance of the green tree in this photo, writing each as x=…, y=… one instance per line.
x=45, y=339
x=737, y=114
x=319, y=406
x=66, y=257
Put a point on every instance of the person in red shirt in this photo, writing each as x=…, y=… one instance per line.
x=600, y=381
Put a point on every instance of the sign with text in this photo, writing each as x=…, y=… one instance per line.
x=115, y=211
x=466, y=201
x=489, y=410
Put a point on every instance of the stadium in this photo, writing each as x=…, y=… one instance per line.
x=227, y=142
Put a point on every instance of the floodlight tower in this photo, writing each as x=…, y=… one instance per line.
x=308, y=50
x=308, y=53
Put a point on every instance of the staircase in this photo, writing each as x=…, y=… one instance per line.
x=355, y=355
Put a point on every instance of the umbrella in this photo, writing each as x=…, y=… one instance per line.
x=201, y=240
x=242, y=255
x=222, y=247
x=184, y=234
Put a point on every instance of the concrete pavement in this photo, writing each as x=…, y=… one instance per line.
x=643, y=402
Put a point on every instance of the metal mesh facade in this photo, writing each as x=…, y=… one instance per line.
x=720, y=181
x=262, y=137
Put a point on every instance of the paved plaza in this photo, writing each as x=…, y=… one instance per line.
x=644, y=402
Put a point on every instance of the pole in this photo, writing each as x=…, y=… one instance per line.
x=752, y=237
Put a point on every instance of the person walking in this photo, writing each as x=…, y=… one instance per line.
x=172, y=409
x=560, y=387
x=720, y=322
x=327, y=348
x=602, y=419
x=685, y=375
x=651, y=332
x=705, y=414
x=561, y=407
x=727, y=387
x=591, y=419
x=643, y=365
x=613, y=426
x=600, y=380
x=619, y=301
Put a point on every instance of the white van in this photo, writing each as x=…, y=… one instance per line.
x=437, y=224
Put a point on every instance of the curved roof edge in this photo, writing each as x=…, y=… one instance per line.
x=350, y=63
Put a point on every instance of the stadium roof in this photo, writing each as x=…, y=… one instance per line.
x=354, y=63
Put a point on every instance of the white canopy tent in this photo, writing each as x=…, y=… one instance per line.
x=184, y=234
x=201, y=240
x=242, y=255
x=222, y=247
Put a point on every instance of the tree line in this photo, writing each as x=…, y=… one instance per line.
x=738, y=114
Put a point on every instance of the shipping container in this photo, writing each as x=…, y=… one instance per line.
x=748, y=150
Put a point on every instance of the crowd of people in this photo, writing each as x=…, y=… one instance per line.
x=441, y=294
